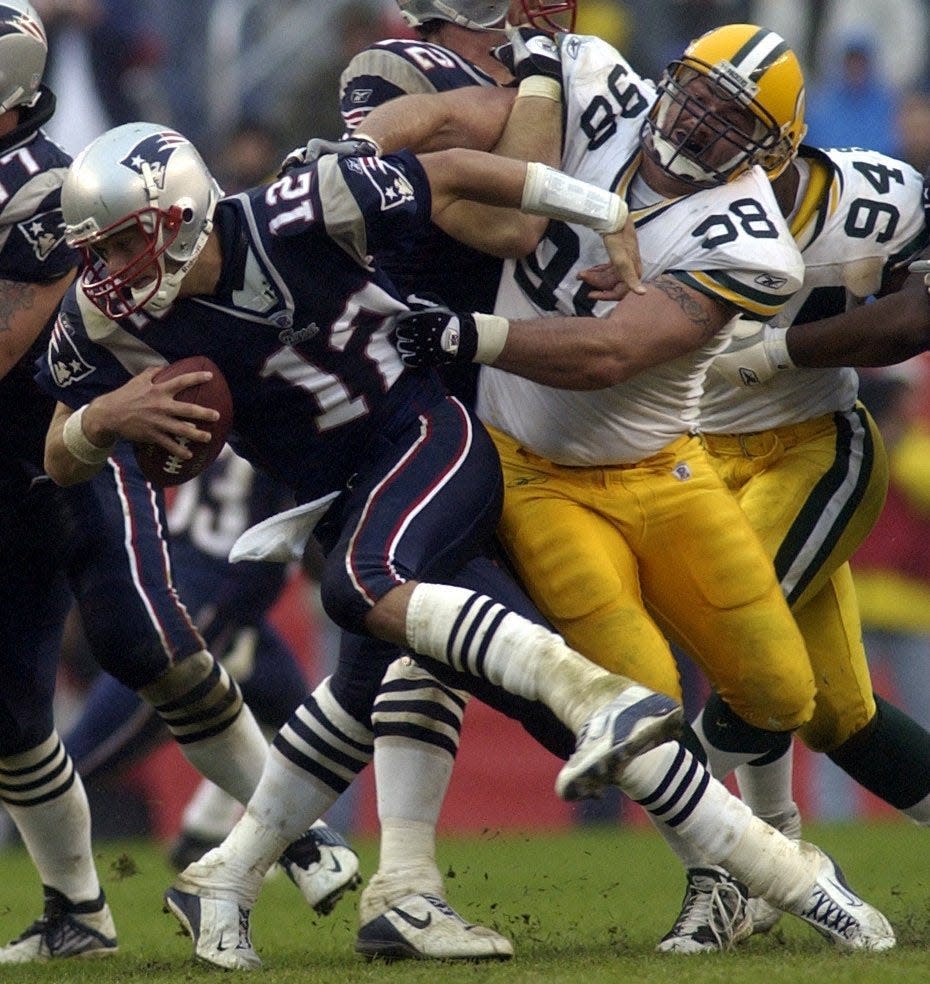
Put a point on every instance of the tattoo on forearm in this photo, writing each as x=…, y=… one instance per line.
x=674, y=290
x=14, y=297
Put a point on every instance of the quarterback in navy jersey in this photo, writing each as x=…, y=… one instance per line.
x=101, y=543
x=276, y=286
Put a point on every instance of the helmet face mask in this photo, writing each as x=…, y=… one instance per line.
x=139, y=280
x=144, y=185
x=734, y=99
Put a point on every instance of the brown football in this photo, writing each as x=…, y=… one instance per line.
x=164, y=469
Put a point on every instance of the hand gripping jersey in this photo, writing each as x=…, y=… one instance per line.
x=299, y=322
x=730, y=242
x=857, y=214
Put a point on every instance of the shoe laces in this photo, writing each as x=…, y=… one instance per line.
x=830, y=915
x=713, y=903
x=57, y=926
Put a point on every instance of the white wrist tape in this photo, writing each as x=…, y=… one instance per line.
x=556, y=195
x=492, y=335
x=78, y=445
x=541, y=86
x=776, y=348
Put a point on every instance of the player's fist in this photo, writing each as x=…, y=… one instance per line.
x=530, y=52
x=435, y=336
x=317, y=148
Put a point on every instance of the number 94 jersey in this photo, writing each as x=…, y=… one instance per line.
x=858, y=215
x=730, y=242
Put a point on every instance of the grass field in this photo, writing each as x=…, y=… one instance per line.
x=586, y=906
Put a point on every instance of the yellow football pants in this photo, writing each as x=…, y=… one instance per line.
x=812, y=492
x=595, y=546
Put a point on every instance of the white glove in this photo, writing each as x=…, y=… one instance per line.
x=753, y=359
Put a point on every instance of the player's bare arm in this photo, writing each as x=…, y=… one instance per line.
x=140, y=410
x=25, y=309
x=474, y=118
x=889, y=330
x=666, y=321
x=533, y=133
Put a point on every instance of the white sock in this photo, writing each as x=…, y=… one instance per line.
x=210, y=813
x=716, y=827
x=411, y=780
x=476, y=635
x=285, y=803
x=767, y=789
x=233, y=759
x=56, y=831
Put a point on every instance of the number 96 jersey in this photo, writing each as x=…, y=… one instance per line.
x=730, y=242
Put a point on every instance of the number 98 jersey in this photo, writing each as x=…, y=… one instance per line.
x=730, y=242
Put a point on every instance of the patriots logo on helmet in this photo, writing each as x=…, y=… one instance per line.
x=65, y=363
x=43, y=232
x=154, y=153
x=13, y=21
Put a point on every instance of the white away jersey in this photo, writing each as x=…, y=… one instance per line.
x=858, y=213
x=730, y=242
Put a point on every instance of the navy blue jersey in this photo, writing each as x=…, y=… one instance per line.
x=464, y=278
x=32, y=250
x=299, y=323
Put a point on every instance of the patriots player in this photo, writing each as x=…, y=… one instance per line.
x=601, y=449
x=230, y=605
x=323, y=404
x=101, y=543
x=454, y=51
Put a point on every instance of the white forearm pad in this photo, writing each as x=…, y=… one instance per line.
x=75, y=440
x=555, y=195
x=492, y=336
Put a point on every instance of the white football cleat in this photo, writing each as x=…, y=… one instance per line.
x=323, y=866
x=634, y=721
x=218, y=927
x=714, y=915
x=839, y=914
x=425, y=927
x=65, y=929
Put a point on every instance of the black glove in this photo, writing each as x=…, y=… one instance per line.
x=435, y=336
x=530, y=52
x=317, y=148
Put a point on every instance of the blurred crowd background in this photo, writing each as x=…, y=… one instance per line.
x=247, y=80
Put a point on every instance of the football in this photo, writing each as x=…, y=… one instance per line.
x=164, y=469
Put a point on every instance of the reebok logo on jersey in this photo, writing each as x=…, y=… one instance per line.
x=770, y=282
x=360, y=96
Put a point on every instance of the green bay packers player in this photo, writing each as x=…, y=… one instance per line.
x=807, y=465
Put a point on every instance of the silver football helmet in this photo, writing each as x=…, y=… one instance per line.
x=23, y=51
x=149, y=178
